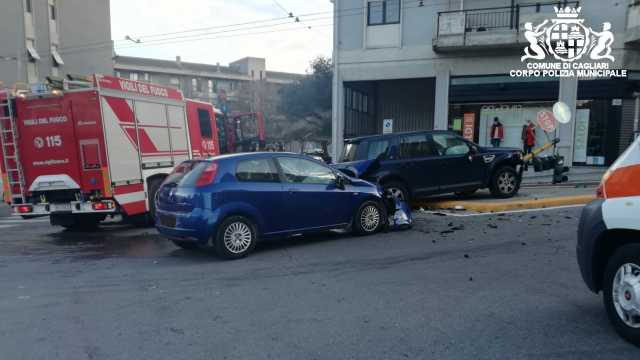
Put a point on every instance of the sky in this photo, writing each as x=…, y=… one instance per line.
x=165, y=29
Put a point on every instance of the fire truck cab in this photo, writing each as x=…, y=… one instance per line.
x=80, y=155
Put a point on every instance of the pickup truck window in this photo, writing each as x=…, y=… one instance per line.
x=447, y=144
x=376, y=148
x=416, y=146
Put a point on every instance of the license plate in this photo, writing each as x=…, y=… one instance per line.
x=61, y=208
x=168, y=220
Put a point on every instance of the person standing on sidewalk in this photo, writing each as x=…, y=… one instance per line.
x=497, y=132
x=529, y=137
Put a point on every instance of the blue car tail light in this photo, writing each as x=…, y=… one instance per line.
x=208, y=175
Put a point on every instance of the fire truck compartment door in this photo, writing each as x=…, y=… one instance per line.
x=48, y=143
x=122, y=139
x=153, y=134
x=178, y=131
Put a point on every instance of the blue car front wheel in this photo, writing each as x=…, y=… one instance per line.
x=370, y=218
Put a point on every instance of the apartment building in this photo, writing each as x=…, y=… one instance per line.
x=39, y=38
x=427, y=64
x=244, y=85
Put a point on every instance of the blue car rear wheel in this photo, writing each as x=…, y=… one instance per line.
x=236, y=237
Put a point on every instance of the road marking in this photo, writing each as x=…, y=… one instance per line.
x=22, y=221
x=498, y=212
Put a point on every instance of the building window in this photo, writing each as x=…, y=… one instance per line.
x=211, y=87
x=27, y=6
x=52, y=9
x=383, y=12
x=146, y=77
x=133, y=76
x=194, y=85
x=118, y=74
x=175, y=82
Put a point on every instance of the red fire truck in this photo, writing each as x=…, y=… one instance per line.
x=79, y=155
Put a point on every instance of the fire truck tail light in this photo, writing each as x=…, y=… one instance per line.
x=25, y=209
x=102, y=205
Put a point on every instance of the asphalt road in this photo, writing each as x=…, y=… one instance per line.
x=484, y=287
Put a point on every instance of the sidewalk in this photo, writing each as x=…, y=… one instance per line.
x=586, y=175
x=532, y=197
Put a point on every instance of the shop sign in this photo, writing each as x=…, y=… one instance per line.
x=566, y=47
x=469, y=126
x=546, y=121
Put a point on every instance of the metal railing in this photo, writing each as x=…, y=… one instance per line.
x=502, y=18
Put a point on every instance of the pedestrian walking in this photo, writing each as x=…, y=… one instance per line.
x=529, y=137
x=497, y=132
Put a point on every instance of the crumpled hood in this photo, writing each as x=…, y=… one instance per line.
x=356, y=168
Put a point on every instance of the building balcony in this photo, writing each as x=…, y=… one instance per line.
x=632, y=35
x=490, y=28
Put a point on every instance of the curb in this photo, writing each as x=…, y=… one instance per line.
x=481, y=207
x=567, y=184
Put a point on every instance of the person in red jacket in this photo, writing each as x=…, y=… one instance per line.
x=497, y=132
x=529, y=137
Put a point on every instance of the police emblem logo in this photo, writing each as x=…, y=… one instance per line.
x=567, y=38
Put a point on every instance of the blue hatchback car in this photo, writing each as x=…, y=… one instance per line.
x=231, y=202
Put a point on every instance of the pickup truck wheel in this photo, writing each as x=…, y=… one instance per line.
x=236, y=238
x=504, y=182
x=397, y=190
x=370, y=218
x=621, y=293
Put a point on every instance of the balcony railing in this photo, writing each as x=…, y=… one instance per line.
x=632, y=35
x=490, y=27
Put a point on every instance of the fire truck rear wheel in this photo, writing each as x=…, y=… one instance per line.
x=154, y=185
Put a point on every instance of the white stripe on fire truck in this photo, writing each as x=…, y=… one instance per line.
x=130, y=197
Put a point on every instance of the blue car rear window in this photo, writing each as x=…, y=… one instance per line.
x=186, y=174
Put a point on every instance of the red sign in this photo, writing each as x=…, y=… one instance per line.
x=546, y=121
x=469, y=126
x=137, y=87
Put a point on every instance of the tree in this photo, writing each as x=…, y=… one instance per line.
x=307, y=103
